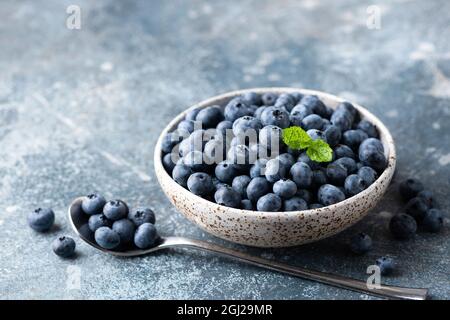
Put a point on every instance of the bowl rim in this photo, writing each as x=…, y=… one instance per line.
x=390, y=153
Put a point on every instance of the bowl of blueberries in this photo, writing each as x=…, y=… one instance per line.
x=275, y=167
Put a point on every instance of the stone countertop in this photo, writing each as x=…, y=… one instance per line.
x=81, y=110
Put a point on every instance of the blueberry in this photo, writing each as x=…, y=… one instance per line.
x=353, y=138
x=368, y=128
x=200, y=184
x=258, y=168
x=315, y=134
x=428, y=197
x=329, y=194
x=258, y=112
x=195, y=142
x=332, y=135
x=252, y=98
x=295, y=204
x=336, y=173
x=41, y=219
x=349, y=108
x=210, y=116
x=386, y=265
x=271, y=137
x=409, y=188
x=226, y=170
x=306, y=159
x=269, y=99
x=196, y=161
x=246, y=123
x=258, y=187
x=312, y=121
x=299, y=112
x=228, y=197
x=348, y=163
x=417, y=208
x=115, y=209
x=64, y=247
x=319, y=178
x=125, y=229
x=236, y=108
x=223, y=126
x=269, y=202
x=186, y=126
x=285, y=100
x=403, y=226
x=239, y=155
x=107, y=238
x=316, y=104
x=258, y=151
x=190, y=115
x=354, y=184
x=275, y=170
x=168, y=164
x=287, y=159
x=170, y=140
x=276, y=116
x=342, y=120
x=315, y=206
x=341, y=151
x=302, y=175
x=246, y=204
x=98, y=220
x=181, y=173
x=93, y=204
x=215, y=151
x=297, y=96
x=240, y=184
x=360, y=243
x=372, y=157
x=433, y=220
x=285, y=188
x=145, y=236
x=372, y=143
x=142, y=215
x=305, y=195
x=367, y=174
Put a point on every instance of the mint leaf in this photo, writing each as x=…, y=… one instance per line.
x=296, y=138
x=319, y=151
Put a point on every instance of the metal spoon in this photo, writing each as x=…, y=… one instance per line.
x=79, y=220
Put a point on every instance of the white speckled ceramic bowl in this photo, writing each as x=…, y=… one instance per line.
x=275, y=229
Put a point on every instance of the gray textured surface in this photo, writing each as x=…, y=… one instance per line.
x=80, y=110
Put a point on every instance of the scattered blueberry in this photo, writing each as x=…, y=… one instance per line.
x=428, y=197
x=433, y=220
x=145, y=236
x=360, y=243
x=386, y=265
x=417, y=208
x=41, y=219
x=409, y=188
x=403, y=226
x=64, y=247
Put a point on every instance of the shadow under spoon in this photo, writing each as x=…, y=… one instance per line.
x=79, y=220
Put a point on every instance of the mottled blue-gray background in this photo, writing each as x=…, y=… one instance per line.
x=80, y=110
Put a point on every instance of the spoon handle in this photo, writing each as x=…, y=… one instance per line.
x=330, y=279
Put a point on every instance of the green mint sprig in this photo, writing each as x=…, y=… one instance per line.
x=317, y=150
